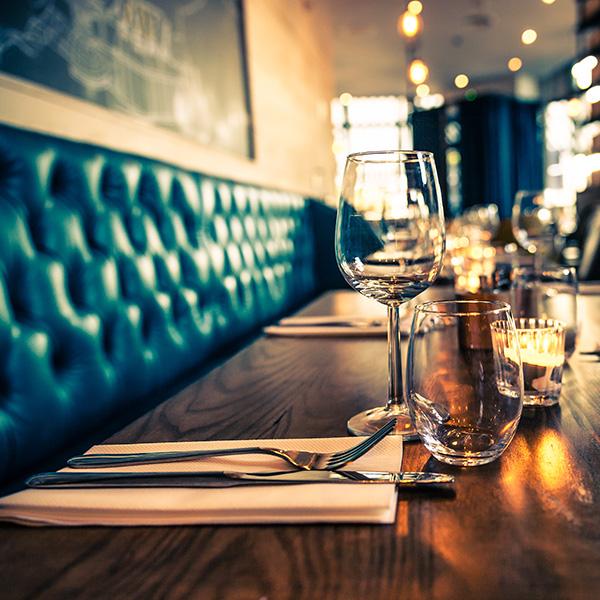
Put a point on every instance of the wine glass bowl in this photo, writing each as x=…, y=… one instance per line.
x=389, y=246
x=483, y=221
x=534, y=223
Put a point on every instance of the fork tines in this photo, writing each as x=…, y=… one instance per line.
x=345, y=456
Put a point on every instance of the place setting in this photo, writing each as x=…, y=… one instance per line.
x=473, y=362
x=328, y=480
x=462, y=399
x=300, y=299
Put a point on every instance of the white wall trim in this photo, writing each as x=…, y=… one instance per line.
x=36, y=108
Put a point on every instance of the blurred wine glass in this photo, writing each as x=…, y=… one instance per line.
x=389, y=246
x=563, y=205
x=484, y=219
x=534, y=224
x=470, y=257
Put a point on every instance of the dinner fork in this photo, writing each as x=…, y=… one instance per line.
x=297, y=458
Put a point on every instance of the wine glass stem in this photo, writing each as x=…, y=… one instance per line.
x=395, y=388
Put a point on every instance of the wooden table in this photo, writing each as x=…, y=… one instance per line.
x=525, y=526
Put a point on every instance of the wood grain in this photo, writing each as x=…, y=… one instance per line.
x=525, y=526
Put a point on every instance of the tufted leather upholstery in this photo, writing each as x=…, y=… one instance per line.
x=118, y=274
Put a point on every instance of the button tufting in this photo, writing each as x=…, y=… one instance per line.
x=135, y=270
x=113, y=187
x=67, y=183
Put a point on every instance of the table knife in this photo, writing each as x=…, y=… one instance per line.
x=216, y=479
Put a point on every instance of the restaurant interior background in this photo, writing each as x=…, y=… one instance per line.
x=159, y=163
x=316, y=79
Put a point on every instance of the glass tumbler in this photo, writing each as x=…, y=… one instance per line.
x=465, y=379
x=548, y=293
x=542, y=343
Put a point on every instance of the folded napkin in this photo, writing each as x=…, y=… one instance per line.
x=299, y=503
x=335, y=325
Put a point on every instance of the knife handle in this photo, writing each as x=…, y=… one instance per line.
x=421, y=478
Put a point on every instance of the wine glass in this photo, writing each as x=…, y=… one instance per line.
x=389, y=245
x=534, y=224
x=465, y=379
x=548, y=293
x=484, y=219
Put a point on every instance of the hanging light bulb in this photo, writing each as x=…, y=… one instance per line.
x=418, y=71
x=461, y=81
x=409, y=24
x=529, y=36
x=414, y=7
x=514, y=64
x=345, y=98
x=422, y=90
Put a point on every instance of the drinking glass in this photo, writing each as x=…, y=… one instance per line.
x=547, y=293
x=464, y=379
x=542, y=343
x=389, y=244
x=534, y=224
x=563, y=204
x=485, y=219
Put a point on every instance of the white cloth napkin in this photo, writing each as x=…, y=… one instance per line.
x=335, y=326
x=310, y=503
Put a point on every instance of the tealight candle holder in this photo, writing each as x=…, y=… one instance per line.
x=542, y=346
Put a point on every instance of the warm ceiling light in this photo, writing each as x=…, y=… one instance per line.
x=529, y=36
x=461, y=81
x=415, y=7
x=429, y=102
x=515, y=63
x=575, y=107
x=409, y=24
x=590, y=62
x=345, y=98
x=593, y=94
x=548, y=1
x=582, y=71
x=418, y=71
x=422, y=90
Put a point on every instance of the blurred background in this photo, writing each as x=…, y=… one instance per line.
x=505, y=93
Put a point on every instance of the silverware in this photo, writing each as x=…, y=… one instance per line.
x=297, y=458
x=217, y=479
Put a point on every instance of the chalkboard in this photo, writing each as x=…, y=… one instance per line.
x=178, y=64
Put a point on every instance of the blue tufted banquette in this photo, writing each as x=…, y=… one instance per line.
x=119, y=274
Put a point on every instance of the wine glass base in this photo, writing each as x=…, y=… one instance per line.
x=369, y=421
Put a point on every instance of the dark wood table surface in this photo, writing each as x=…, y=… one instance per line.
x=525, y=526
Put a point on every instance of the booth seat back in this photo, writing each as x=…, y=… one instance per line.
x=119, y=274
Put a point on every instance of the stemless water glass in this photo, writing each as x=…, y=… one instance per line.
x=464, y=379
x=389, y=246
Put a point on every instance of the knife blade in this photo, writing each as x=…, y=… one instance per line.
x=216, y=479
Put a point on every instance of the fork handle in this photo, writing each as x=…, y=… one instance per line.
x=142, y=458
